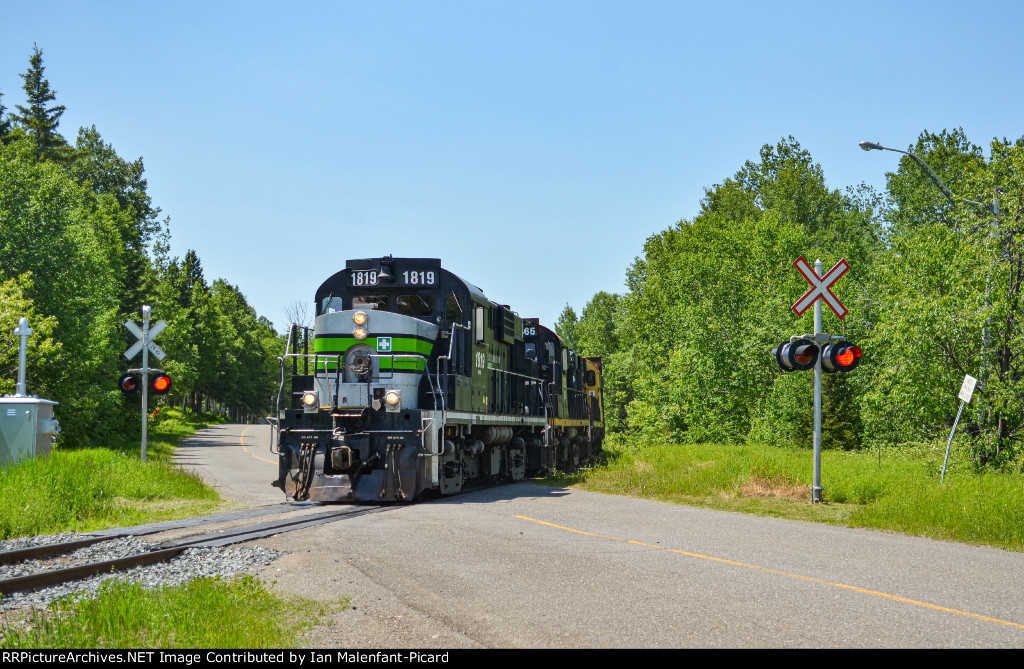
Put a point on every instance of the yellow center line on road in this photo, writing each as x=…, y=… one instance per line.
x=769, y=570
x=241, y=439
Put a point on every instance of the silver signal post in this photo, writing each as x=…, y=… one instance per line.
x=146, y=312
x=147, y=346
x=817, y=489
x=820, y=291
x=23, y=331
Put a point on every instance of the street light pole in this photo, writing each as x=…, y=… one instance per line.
x=991, y=208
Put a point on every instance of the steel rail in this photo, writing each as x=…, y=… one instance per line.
x=170, y=549
x=90, y=538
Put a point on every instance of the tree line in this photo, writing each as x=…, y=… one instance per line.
x=934, y=293
x=82, y=248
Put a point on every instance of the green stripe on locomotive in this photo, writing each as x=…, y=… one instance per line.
x=399, y=345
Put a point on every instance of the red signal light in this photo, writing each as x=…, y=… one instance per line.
x=840, y=357
x=804, y=355
x=160, y=384
x=128, y=384
x=797, y=355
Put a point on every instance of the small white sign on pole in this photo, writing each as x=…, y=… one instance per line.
x=967, y=389
x=965, y=395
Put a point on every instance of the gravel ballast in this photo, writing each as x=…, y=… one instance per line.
x=190, y=564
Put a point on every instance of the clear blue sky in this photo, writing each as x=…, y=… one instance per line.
x=532, y=146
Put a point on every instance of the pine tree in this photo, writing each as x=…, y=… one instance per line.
x=38, y=119
x=5, y=123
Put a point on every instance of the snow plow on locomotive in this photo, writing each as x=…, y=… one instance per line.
x=417, y=384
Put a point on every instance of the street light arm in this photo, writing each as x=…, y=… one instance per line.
x=868, y=146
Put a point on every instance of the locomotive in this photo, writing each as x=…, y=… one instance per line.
x=418, y=385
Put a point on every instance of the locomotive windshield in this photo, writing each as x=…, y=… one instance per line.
x=417, y=305
x=370, y=302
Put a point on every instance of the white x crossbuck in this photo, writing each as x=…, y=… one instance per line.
x=820, y=287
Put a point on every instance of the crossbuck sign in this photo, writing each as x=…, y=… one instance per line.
x=145, y=339
x=820, y=287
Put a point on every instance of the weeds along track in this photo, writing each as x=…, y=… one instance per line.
x=54, y=563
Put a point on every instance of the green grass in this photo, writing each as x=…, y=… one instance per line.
x=95, y=488
x=896, y=490
x=205, y=613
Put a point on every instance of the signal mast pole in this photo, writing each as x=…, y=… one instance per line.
x=844, y=360
x=146, y=313
x=816, y=490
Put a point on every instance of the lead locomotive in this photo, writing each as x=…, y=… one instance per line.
x=418, y=384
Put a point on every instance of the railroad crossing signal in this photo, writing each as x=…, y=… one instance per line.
x=820, y=287
x=796, y=356
x=840, y=356
x=160, y=383
x=144, y=340
x=805, y=352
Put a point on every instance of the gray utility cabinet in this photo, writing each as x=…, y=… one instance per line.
x=26, y=426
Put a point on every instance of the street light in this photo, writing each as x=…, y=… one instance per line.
x=868, y=146
x=991, y=208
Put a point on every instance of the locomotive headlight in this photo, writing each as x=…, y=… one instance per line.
x=359, y=333
x=310, y=401
x=393, y=400
x=359, y=318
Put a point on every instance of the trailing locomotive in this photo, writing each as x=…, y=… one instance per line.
x=418, y=384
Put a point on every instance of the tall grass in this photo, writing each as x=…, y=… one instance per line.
x=204, y=613
x=88, y=489
x=897, y=490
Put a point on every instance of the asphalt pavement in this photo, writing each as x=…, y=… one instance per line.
x=531, y=566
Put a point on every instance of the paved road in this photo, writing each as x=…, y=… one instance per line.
x=528, y=566
x=236, y=460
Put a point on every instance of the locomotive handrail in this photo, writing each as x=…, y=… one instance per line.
x=280, y=390
x=275, y=425
x=447, y=359
x=426, y=424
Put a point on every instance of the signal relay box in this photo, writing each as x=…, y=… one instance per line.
x=27, y=426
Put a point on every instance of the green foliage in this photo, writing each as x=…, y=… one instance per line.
x=204, y=613
x=5, y=121
x=711, y=297
x=951, y=281
x=52, y=228
x=81, y=250
x=105, y=174
x=42, y=351
x=565, y=327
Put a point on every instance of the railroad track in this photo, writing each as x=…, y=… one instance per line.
x=56, y=570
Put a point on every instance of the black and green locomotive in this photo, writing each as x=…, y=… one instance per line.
x=417, y=384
